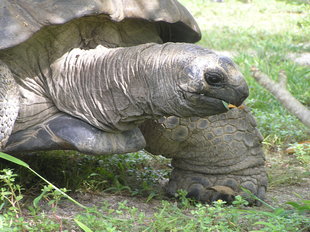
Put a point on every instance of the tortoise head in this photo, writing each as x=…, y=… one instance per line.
x=208, y=79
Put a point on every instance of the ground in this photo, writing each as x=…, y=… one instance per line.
x=286, y=186
x=289, y=181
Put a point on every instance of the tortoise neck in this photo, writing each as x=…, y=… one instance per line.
x=112, y=89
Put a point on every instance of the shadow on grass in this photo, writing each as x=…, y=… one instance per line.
x=133, y=174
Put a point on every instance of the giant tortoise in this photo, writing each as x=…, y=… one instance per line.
x=115, y=76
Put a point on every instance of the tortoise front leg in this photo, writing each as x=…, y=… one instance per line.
x=212, y=157
x=64, y=132
x=9, y=103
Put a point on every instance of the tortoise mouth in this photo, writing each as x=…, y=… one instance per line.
x=201, y=101
x=226, y=105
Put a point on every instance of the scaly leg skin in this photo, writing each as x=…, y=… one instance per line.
x=64, y=132
x=9, y=103
x=212, y=157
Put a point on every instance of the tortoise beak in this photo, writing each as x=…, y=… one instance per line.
x=233, y=94
x=242, y=92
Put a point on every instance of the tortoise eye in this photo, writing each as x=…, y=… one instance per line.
x=213, y=78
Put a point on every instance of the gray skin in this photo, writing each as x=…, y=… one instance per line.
x=100, y=86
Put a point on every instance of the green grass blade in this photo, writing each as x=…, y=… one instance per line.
x=13, y=160
x=83, y=226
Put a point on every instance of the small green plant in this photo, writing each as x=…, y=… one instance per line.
x=13, y=218
x=94, y=182
x=22, y=163
x=10, y=193
x=185, y=201
x=51, y=195
x=301, y=152
x=118, y=187
x=240, y=201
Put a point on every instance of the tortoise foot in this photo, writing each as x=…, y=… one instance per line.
x=209, y=188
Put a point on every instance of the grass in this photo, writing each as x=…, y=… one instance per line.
x=184, y=215
x=261, y=33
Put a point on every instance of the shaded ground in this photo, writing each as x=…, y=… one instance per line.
x=279, y=195
x=289, y=181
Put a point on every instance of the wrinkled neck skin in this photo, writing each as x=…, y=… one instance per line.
x=117, y=89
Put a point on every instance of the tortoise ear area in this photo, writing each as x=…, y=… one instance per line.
x=192, y=80
x=192, y=73
x=192, y=87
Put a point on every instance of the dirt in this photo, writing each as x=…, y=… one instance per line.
x=68, y=209
x=278, y=196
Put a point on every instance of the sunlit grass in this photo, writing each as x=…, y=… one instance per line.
x=261, y=15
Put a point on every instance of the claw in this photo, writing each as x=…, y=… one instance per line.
x=220, y=192
x=210, y=194
x=223, y=190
